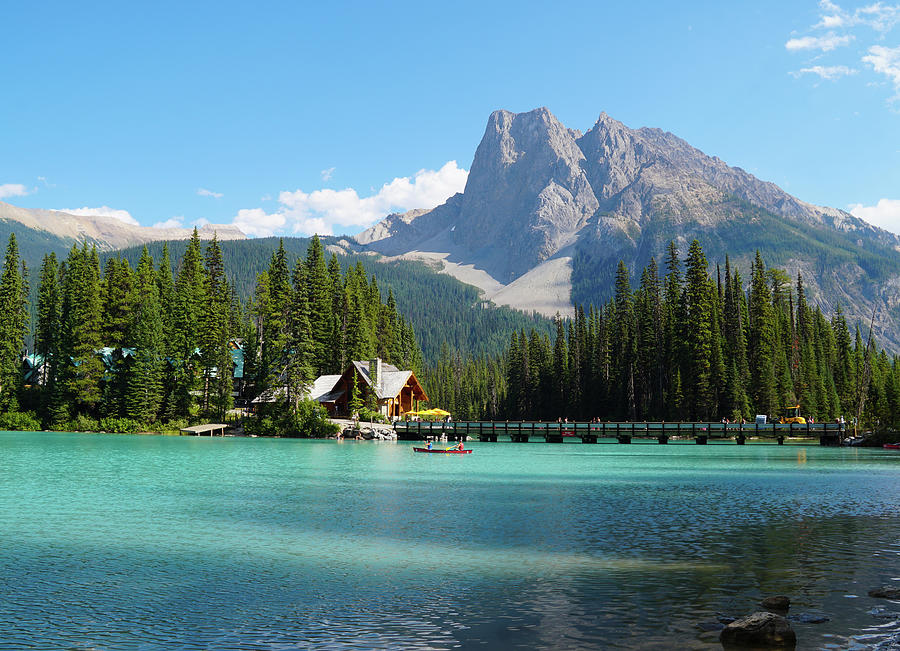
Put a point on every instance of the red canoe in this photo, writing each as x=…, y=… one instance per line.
x=892, y=446
x=441, y=451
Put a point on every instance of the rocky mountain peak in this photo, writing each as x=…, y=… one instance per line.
x=547, y=210
x=526, y=184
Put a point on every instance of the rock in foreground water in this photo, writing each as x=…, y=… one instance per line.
x=885, y=592
x=760, y=630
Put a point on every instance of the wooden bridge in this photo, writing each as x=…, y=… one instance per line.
x=623, y=432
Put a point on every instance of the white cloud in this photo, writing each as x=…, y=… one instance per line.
x=826, y=72
x=13, y=190
x=328, y=173
x=174, y=222
x=103, y=211
x=203, y=192
x=885, y=213
x=824, y=43
x=325, y=211
x=885, y=61
x=880, y=17
x=257, y=222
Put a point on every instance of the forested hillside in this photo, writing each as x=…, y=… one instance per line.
x=152, y=343
x=440, y=308
x=686, y=344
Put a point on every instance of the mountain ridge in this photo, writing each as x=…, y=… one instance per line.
x=108, y=233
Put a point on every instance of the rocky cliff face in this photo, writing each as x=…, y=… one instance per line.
x=544, y=200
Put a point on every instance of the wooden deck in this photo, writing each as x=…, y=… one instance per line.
x=212, y=429
x=621, y=432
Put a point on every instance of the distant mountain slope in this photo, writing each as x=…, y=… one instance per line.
x=548, y=211
x=51, y=230
x=440, y=308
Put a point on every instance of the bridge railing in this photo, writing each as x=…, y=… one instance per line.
x=632, y=428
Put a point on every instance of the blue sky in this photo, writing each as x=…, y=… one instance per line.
x=297, y=117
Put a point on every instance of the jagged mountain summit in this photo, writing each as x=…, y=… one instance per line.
x=547, y=213
x=52, y=229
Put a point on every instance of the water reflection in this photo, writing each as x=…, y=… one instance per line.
x=282, y=544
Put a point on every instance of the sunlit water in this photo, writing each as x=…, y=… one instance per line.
x=122, y=542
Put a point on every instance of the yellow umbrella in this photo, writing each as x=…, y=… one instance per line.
x=439, y=412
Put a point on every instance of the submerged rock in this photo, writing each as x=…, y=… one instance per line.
x=759, y=630
x=778, y=603
x=885, y=592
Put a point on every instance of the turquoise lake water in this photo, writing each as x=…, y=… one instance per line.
x=123, y=542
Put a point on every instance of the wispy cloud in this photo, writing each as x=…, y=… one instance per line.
x=203, y=192
x=826, y=72
x=885, y=214
x=844, y=26
x=13, y=190
x=885, y=61
x=325, y=211
x=103, y=211
x=328, y=173
x=879, y=16
x=824, y=43
x=174, y=222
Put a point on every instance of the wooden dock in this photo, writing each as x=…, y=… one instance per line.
x=621, y=432
x=212, y=429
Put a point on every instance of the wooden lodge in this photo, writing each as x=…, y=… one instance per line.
x=396, y=392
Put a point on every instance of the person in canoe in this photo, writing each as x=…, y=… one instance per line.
x=428, y=446
x=460, y=446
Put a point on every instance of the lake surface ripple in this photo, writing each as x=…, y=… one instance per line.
x=123, y=542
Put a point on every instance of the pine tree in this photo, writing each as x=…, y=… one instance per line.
x=214, y=335
x=117, y=293
x=698, y=328
x=80, y=367
x=299, y=368
x=762, y=342
x=623, y=356
x=46, y=336
x=13, y=325
x=143, y=386
x=321, y=305
x=188, y=302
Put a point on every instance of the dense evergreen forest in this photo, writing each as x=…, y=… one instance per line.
x=151, y=343
x=148, y=346
x=440, y=308
x=686, y=345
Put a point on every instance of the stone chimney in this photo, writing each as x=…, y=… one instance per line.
x=375, y=373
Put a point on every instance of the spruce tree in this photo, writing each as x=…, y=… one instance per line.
x=321, y=305
x=46, y=336
x=13, y=325
x=762, y=342
x=80, y=367
x=698, y=329
x=214, y=335
x=188, y=302
x=143, y=387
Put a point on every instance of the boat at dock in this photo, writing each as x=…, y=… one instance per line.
x=892, y=446
x=442, y=451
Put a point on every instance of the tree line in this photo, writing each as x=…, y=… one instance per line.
x=153, y=344
x=686, y=345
